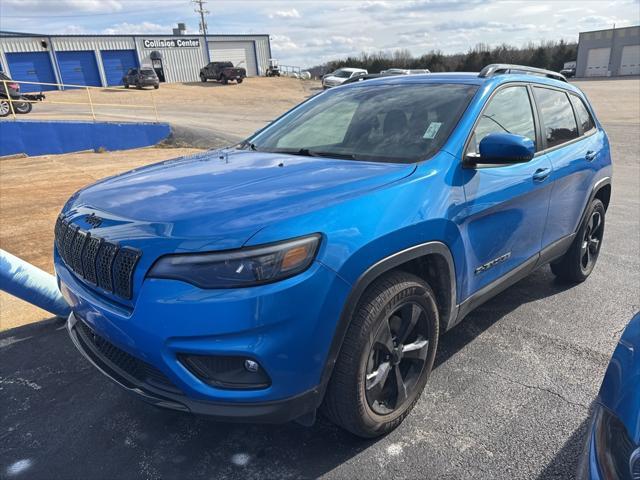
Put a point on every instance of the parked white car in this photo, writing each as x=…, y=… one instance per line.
x=336, y=78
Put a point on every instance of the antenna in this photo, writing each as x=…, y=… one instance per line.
x=201, y=10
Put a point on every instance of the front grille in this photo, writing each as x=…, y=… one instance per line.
x=132, y=366
x=95, y=260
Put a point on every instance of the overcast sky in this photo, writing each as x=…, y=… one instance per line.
x=306, y=33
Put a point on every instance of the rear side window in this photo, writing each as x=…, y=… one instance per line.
x=582, y=112
x=509, y=111
x=557, y=116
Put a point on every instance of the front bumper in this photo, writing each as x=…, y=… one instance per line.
x=161, y=395
x=287, y=327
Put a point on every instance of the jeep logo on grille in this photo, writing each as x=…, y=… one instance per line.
x=93, y=220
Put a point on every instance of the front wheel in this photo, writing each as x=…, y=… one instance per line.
x=578, y=263
x=225, y=80
x=386, y=357
x=239, y=80
x=156, y=87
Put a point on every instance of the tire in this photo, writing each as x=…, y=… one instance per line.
x=156, y=87
x=5, y=108
x=578, y=263
x=126, y=85
x=22, y=107
x=138, y=86
x=360, y=396
x=203, y=79
x=225, y=80
x=239, y=80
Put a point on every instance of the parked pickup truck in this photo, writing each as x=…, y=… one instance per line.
x=222, y=72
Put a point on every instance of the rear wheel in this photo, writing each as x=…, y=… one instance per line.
x=203, y=78
x=578, y=263
x=138, y=86
x=386, y=357
x=156, y=86
x=126, y=85
x=225, y=80
x=239, y=80
x=23, y=107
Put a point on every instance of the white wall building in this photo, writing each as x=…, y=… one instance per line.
x=102, y=60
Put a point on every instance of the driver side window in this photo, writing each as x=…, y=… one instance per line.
x=509, y=111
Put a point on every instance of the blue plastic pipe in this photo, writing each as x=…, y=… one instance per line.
x=29, y=283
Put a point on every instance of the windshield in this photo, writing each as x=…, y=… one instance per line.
x=341, y=74
x=400, y=123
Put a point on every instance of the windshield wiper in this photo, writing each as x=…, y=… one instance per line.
x=347, y=156
x=306, y=152
x=249, y=145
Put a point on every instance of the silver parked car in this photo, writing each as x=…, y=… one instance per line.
x=336, y=78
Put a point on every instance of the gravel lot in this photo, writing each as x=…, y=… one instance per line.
x=509, y=397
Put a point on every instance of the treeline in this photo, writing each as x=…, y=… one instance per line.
x=550, y=55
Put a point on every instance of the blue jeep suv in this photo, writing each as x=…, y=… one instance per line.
x=315, y=264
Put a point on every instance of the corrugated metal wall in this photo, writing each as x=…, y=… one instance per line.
x=181, y=64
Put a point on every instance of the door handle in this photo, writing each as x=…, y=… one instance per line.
x=541, y=174
x=590, y=155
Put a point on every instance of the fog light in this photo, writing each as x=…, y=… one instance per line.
x=227, y=372
x=251, y=366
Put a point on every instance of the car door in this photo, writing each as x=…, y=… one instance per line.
x=572, y=147
x=506, y=205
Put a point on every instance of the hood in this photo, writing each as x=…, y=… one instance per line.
x=224, y=197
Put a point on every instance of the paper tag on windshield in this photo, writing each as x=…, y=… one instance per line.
x=432, y=130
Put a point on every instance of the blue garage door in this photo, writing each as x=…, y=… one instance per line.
x=79, y=68
x=31, y=67
x=116, y=63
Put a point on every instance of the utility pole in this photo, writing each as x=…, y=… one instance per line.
x=201, y=10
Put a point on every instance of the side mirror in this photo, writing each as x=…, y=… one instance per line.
x=506, y=149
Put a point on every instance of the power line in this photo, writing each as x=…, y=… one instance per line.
x=201, y=10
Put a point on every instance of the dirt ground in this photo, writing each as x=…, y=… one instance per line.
x=32, y=193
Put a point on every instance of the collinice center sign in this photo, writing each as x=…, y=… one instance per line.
x=172, y=43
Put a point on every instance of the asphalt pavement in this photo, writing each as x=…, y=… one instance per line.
x=509, y=397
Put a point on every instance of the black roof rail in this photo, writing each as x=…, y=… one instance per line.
x=500, y=68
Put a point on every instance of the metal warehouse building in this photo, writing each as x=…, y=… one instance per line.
x=102, y=60
x=605, y=53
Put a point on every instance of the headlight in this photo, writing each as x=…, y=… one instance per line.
x=613, y=447
x=240, y=268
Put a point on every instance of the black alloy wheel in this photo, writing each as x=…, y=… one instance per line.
x=592, y=241
x=579, y=261
x=397, y=358
x=386, y=356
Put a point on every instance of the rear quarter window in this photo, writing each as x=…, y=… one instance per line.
x=557, y=115
x=584, y=116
